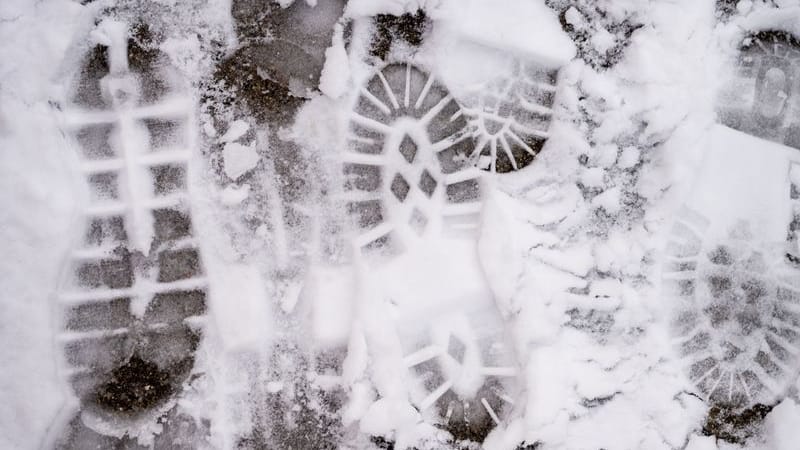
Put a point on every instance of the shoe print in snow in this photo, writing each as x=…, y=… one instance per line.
x=731, y=267
x=133, y=302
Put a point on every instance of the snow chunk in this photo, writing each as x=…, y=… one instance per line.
x=573, y=17
x=606, y=155
x=609, y=200
x=361, y=397
x=237, y=129
x=782, y=424
x=593, y=177
x=744, y=6
x=525, y=27
x=603, y=41
x=629, y=157
x=238, y=159
x=336, y=72
x=209, y=129
x=794, y=173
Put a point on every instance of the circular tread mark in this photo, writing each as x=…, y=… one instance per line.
x=512, y=116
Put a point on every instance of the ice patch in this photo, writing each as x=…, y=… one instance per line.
x=500, y=254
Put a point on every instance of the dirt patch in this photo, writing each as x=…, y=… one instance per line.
x=735, y=425
x=409, y=28
x=134, y=387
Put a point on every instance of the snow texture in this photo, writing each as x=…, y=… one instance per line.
x=555, y=224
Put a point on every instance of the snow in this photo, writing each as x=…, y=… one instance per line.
x=573, y=17
x=239, y=159
x=233, y=195
x=736, y=172
x=500, y=254
x=335, y=76
x=630, y=157
x=529, y=28
x=40, y=199
x=236, y=130
x=328, y=292
x=783, y=424
x=567, y=257
x=603, y=41
x=697, y=442
x=368, y=8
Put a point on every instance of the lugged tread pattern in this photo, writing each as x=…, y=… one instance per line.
x=464, y=374
x=135, y=298
x=737, y=313
x=512, y=116
x=407, y=165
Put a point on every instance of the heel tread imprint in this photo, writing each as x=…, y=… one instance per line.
x=461, y=384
